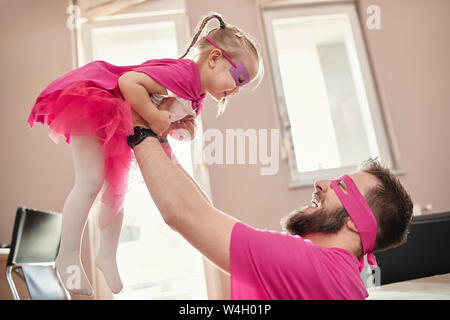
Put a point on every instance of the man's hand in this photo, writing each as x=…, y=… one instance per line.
x=188, y=124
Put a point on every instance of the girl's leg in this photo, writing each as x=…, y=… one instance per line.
x=109, y=240
x=89, y=172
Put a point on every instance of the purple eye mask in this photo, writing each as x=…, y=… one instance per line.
x=240, y=74
x=238, y=71
x=361, y=215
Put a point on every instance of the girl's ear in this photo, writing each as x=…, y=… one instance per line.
x=213, y=57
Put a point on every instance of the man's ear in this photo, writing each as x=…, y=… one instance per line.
x=213, y=58
x=351, y=225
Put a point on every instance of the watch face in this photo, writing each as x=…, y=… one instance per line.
x=137, y=133
x=133, y=139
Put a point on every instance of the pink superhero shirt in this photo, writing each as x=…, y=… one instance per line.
x=269, y=265
x=180, y=76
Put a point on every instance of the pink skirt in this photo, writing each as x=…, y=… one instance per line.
x=84, y=109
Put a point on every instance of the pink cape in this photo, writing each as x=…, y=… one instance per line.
x=87, y=101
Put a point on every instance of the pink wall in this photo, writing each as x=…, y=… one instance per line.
x=35, y=49
x=410, y=55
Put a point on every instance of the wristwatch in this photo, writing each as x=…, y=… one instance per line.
x=140, y=133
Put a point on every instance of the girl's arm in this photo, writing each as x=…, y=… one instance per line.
x=136, y=87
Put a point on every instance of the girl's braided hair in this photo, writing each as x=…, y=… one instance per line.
x=234, y=41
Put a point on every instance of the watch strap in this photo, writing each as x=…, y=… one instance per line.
x=140, y=133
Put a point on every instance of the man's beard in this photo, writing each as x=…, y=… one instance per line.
x=320, y=221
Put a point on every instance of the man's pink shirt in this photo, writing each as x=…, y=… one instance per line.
x=269, y=265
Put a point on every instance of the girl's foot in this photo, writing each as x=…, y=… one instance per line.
x=72, y=274
x=108, y=266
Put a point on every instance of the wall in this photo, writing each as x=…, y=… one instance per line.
x=410, y=59
x=410, y=56
x=35, y=50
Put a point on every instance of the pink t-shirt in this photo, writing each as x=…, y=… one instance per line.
x=269, y=265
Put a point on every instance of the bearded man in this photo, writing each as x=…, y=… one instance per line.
x=320, y=253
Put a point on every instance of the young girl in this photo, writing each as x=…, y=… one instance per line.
x=91, y=107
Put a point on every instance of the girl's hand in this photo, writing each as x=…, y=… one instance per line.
x=138, y=120
x=188, y=123
x=161, y=122
x=158, y=128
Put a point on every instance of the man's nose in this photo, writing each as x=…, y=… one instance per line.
x=322, y=185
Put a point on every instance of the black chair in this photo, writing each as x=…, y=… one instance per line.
x=34, y=247
x=425, y=254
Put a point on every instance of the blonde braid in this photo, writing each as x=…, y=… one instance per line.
x=200, y=29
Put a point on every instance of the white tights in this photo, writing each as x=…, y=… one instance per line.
x=89, y=178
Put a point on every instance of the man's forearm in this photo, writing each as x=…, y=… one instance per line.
x=183, y=206
x=173, y=192
x=166, y=146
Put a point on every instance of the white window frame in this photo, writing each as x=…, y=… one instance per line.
x=299, y=179
x=177, y=16
x=83, y=44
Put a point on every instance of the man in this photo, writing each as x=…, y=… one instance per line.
x=318, y=257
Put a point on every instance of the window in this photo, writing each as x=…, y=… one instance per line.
x=154, y=261
x=329, y=111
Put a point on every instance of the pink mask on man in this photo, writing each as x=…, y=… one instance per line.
x=361, y=215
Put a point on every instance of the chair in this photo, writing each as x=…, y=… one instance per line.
x=425, y=254
x=34, y=247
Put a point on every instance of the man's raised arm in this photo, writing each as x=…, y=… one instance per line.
x=182, y=205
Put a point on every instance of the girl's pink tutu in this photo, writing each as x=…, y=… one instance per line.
x=84, y=109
